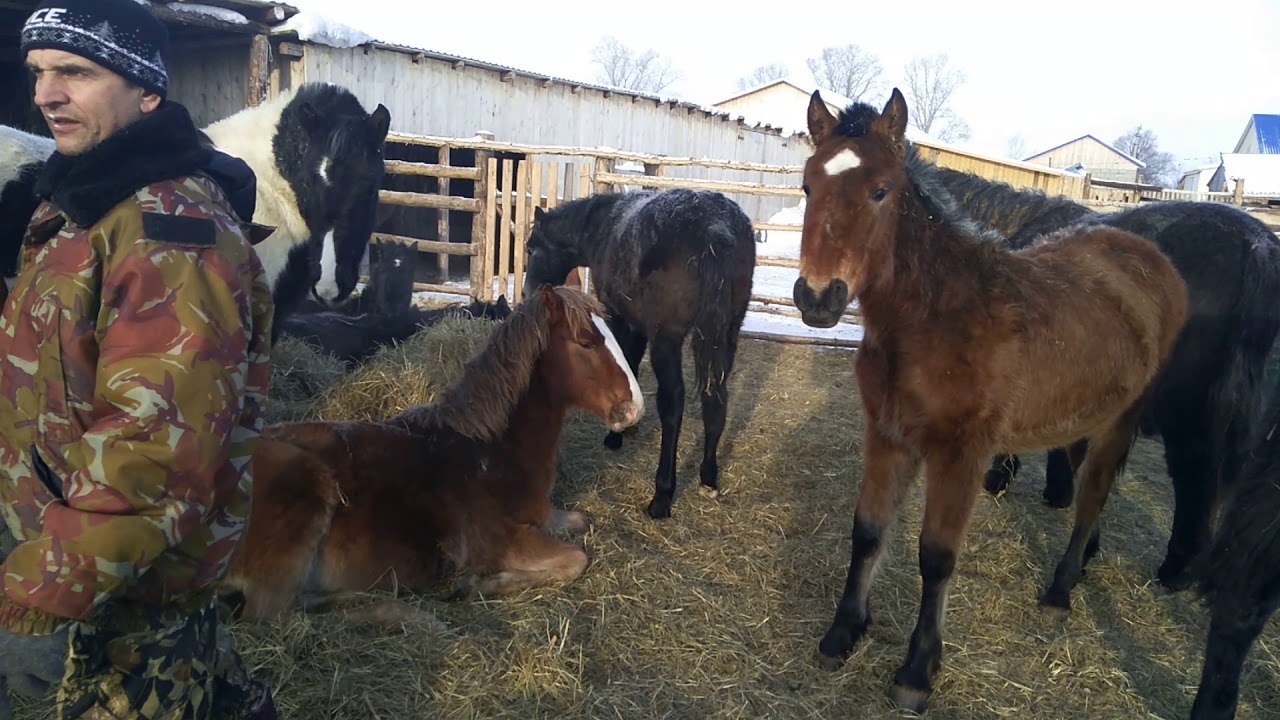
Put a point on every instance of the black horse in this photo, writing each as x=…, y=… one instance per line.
x=663, y=264
x=1239, y=574
x=382, y=315
x=1205, y=404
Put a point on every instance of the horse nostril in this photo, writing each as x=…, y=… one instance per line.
x=837, y=295
x=801, y=293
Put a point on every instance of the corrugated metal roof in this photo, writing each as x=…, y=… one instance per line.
x=1267, y=128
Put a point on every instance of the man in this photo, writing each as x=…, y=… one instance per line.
x=137, y=335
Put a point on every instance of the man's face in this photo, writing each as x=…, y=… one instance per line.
x=83, y=102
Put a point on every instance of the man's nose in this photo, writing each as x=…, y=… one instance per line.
x=49, y=93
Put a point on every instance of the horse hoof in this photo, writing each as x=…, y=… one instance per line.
x=1055, y=499
x=709, y=492
x=1174, y=576
x=659, y=508
x=909, y=698
x=835, y=648
x=996, y=482
x=1056, y=604
x=613, y=441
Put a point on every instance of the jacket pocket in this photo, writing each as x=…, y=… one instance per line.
x=54, y=423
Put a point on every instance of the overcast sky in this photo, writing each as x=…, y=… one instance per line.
x=1048, y=70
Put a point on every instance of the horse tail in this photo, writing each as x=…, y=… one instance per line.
x=1235, y=403
x=1242, y=562
x=725, y=273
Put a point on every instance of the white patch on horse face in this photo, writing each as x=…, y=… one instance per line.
x=327, y=288
x=612, y=343
x=324, y=169
x=843, y=161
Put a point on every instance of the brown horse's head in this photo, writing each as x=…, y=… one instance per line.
x=583, y=362
x=853, y=183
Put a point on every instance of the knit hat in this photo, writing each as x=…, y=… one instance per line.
x=121, y=35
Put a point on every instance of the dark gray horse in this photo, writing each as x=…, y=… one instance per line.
x=665, y=265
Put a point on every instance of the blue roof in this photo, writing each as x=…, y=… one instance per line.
x=1267, y=128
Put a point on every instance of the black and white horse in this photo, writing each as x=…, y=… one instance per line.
x=21, y=157
x=318, y=158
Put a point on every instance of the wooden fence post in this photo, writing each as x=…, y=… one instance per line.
x=1238, y=196
x=603, y=166
x=482, y=225
x=259, y=70
x=442, y=226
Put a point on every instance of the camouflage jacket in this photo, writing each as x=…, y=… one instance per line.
x=136, y=369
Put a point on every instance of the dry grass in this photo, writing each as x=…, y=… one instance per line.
x=718, y=611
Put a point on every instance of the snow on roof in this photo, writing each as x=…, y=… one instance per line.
x=1261, y=172
x=224, y=14
x=316, y=28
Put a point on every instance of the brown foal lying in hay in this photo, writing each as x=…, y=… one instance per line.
x=462, y=484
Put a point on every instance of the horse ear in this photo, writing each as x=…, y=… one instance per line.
x=538, y=212
x=550, y=300
x=379, y=123
x=894, y=117
x=309, y=118
x=821, y=121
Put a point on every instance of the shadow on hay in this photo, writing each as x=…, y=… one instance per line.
x=1131, y=534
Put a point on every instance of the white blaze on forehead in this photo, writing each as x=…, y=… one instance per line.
x=612, y=343
x=327, y=288
x=324, y=170
x=842, y=161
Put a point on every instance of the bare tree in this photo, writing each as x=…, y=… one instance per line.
x=1143, y=144
x=931, y=81
x=846, y=69
x=1016, y=147
x=762, y=75
x=622, y=67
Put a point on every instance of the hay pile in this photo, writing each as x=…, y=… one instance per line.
x=717, y=612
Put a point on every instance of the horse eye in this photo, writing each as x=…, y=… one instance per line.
x=880, y=194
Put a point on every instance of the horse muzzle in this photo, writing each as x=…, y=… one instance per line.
x=624, y=415
x=821, y=310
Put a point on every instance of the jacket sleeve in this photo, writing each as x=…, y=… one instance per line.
x=176, y=347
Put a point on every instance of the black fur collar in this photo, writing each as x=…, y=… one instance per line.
x=162, y=145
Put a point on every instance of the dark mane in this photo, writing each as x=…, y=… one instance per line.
x=855, y=121
x=479, y=404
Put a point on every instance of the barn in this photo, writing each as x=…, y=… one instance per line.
x=1099, y=158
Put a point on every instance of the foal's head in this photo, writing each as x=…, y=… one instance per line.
x=854, y=183
x=583, y=362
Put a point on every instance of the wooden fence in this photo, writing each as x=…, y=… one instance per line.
x=508, y=189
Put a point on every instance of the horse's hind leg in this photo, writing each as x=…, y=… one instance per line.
x=665, y=355
x=533, y=559
x=1189, y=459
x=1235, y=625
x=888, y=469
x=1060, y=469
x=1004, y=468
x=633, y=343
x=1105, y=458
x=713, y=358
x=952, y=489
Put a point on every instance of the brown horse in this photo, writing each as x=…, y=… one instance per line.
x=462, y=484
x=969, y=349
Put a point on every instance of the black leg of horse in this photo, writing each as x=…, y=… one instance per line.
x=1105, y=456
x=949, y=500
x=1235, y=625
x=1060, y=469
x=888, y=470
x=665, y=355
x=633, y=343
x=1189, y=460
x=1004, y=468
x=714, y=361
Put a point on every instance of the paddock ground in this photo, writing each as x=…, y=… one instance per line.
x=716, y=613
